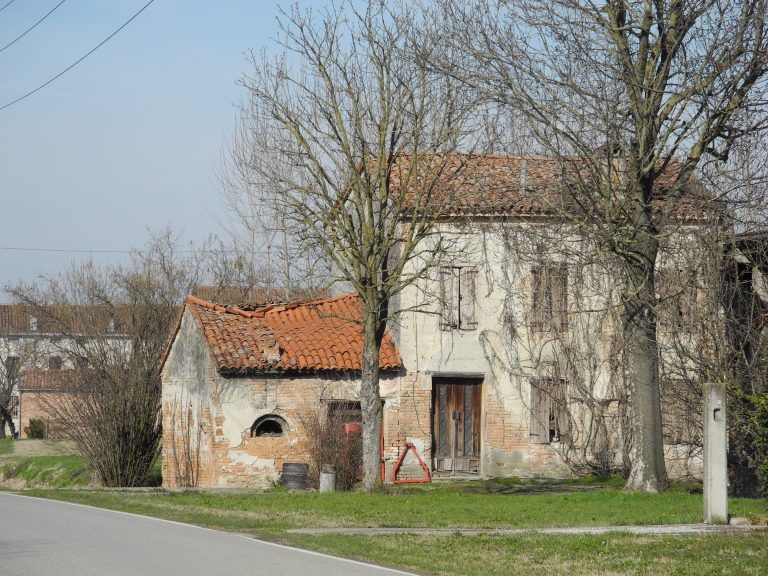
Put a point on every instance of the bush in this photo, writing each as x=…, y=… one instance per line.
x=36, y=429
x=329, y=446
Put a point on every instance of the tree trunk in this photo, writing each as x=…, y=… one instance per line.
x=370, y=398
x=648, y=472
x=5, y=418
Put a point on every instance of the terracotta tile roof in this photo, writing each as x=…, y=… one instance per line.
x=58, y=319
x=254, y=297
x=319, y=335
x=32, y=380
x=519, y=185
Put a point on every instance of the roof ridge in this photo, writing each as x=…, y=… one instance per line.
x=260, y=312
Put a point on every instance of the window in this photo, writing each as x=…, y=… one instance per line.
x=14, y=407
x=269, y=425
x=55, y=363
x=33, y=323
x=550, y=298
x=345, y=412
x=12, y=365
x=549, y=411
x=457, y=297
x=677, y=292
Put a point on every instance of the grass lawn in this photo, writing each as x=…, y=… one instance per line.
x=47, y=463
x=6, y=445
x=470, y=504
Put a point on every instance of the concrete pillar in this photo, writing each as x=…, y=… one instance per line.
x=715, y=455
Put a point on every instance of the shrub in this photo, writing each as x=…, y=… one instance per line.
x=329, y=446
x=36, y=429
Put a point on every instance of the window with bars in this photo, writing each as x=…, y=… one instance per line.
x=549, y=308
x=549, y=410
x=458, y=297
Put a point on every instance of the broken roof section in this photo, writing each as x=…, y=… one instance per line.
x=315, y=336
x=251, y=298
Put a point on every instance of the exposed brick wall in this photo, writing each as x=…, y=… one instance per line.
x=34, y=404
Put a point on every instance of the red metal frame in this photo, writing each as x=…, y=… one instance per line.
x=428, y=476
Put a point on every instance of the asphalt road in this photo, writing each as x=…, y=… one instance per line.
x=44, y=537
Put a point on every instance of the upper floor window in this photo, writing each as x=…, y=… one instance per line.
x=457, y=297
x=33, y=323
x=55, y=363
x=550, y=298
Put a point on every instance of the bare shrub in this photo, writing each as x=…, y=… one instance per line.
x=328, y=444
x=185, y=444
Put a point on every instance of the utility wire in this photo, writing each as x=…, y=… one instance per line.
x=79, y=251
x=68, y=68
x=6, y=5
x=28, y=30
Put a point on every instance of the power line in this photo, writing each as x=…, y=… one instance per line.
x=6, y=5
x=81, y=251
x=73, y=251
x=28, y=30
x=68, y=68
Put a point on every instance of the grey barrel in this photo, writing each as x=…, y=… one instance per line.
x=294, y=475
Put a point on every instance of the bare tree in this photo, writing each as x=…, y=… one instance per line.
x=634, y=98
x=113, y=323
x=342, y=141
x=13, y=355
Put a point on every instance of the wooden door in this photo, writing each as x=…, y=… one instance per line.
x=456, y=417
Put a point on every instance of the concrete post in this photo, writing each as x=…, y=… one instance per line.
x=715, y=457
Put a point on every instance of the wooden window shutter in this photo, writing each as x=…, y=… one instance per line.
x=539, y=430
x=560, y=407
x=538, y=295
x=467, y=298
x=558, y=278
x=449, y=288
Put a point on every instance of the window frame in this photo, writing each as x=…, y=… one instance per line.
x=458, y=305
x=550, y=420
x=549, y=301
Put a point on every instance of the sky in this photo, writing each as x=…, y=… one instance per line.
x=128, y=142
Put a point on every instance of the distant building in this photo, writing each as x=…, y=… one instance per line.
x=36, y=340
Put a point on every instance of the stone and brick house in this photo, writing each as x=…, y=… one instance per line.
x=503, y=362
x=37, y=340
x=236, y=383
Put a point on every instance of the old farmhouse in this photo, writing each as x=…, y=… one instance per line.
x=506, y=359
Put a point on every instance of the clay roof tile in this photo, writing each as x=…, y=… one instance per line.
x=318, y=335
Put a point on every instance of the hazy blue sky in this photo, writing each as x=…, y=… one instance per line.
x=129, y=140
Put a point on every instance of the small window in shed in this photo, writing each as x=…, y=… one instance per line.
x=269, y=425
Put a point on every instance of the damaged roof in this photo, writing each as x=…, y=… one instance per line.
x=319, y=335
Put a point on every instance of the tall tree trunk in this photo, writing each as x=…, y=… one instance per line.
x=5, y=418
x=370, y=398
x=648, y=472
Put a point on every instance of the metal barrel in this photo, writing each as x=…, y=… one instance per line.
x=294, y=475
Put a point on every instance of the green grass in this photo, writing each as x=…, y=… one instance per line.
x=53, y=471
x=493, y=504
x=538, y=554
x=6, y=445
x=477, y=504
